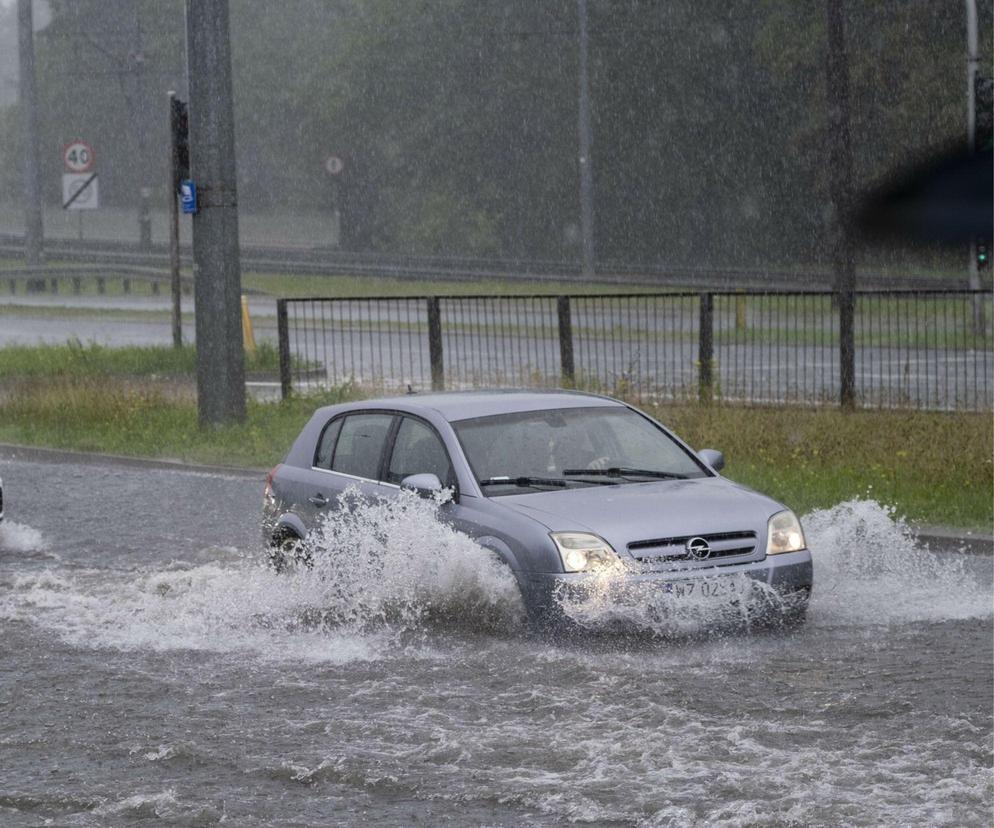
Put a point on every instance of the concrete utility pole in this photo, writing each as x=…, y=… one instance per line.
x=586, y=140
x=840, y=178
x=979, y=316
x=33, y=227
x=216, y=268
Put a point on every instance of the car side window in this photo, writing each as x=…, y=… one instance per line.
x=326, y=445
x=360, y=445
x=419, y=450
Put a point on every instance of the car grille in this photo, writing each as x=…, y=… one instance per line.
x=674, y=550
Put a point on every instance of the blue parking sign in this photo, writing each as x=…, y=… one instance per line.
x=188, y=196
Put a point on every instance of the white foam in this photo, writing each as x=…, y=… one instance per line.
x=16, y=537
x=871, y=569
x=379, y=572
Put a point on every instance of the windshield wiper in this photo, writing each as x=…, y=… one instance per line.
x=625, y=471
x=525, y=481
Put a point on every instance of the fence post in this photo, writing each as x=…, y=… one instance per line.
x=565, y=340
x=705, y=347
x=847, y=347
x=740, y=311
x=283, y=337
x=435, y=344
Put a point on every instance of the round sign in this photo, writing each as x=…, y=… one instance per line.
x=78, y=157
x=333, y=165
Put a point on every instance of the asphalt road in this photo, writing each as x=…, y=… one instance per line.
x=152, y=670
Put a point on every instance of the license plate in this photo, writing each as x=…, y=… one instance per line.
x=724, y=588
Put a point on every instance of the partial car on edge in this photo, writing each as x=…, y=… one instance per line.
x=559, y=485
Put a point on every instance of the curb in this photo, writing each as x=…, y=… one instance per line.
x=946, y=538
x=12, y=451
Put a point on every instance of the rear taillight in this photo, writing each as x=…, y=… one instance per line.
x=269, y=481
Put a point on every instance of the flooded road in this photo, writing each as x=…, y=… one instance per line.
x=152, y=670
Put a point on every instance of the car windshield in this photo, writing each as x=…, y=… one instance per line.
x=539, y=450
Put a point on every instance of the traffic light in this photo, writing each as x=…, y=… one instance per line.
x=983, y=254
x=179, y=122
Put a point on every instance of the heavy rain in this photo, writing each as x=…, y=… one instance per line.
x=446, y=412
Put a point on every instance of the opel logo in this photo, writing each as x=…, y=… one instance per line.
x=698, y=549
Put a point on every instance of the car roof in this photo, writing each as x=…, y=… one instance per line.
x=465, y=405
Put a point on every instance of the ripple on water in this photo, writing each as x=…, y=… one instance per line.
x=733, y=732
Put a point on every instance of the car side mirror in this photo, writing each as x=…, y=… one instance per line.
x=425, y=485
x=714, y=458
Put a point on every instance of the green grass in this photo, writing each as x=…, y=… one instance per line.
x=349, y=287
x=932, y=467
x=344, y=286
x=76, y=360
x=149, y=421
x=68, y=312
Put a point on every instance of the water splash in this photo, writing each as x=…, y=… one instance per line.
x=871, y=569
x=385, y=575
x=380, y=572
x=396, y=562
x=706, y=606
x=16, y=537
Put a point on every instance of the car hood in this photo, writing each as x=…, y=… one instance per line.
x=642, y=511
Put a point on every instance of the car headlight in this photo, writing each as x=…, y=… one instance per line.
x=583, y=552
x=785, y=534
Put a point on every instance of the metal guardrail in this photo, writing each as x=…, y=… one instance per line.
x=327, y=261
x=49, y=279
x=914, y=349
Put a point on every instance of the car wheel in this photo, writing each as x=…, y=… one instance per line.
x=286, y=553
x=792, y=614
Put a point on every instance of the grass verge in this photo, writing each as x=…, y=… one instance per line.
x=932, y=467
x=350, y=287
x=76, y=360
x=149, y=420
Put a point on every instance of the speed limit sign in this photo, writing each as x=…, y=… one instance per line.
x=77, y=157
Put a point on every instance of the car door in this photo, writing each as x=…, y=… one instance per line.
x=350, y=452
x=417, y=449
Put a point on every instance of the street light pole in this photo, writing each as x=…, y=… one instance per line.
x=979, y=317
x=216, y=266
x=841, y=170
x=586, y=140
x=33, y=226
x=145, y=191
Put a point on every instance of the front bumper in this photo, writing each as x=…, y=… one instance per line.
x=783, y=584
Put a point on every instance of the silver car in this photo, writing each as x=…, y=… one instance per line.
x=561, y=486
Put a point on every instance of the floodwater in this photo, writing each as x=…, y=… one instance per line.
x=154, y=671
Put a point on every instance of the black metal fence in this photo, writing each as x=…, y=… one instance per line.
x=927, y=349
